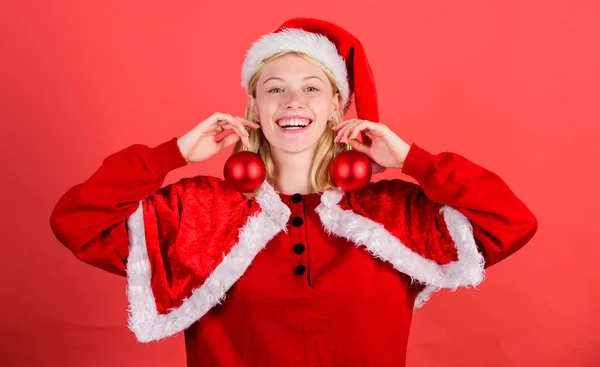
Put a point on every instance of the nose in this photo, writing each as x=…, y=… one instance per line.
x=294, y=101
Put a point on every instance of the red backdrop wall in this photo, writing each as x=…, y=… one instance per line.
x=511, y=85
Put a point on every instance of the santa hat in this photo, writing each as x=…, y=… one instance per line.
x=334, y=47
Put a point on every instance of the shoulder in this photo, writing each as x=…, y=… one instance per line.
x=384, y=196
x=201, y=191
x=201, y=185
x=386, y=187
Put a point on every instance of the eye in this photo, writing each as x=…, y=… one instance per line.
x=315, y=89
x=273, y=89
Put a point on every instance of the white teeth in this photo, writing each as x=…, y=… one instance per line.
x=293, y=122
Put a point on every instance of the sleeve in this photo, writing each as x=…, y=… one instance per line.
x=174, y=245
x=501, y=223
x=90, y=219
x=444, y=231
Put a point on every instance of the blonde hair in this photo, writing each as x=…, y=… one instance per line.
x=326, y=150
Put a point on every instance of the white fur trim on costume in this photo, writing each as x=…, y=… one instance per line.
x=467, y=271
x=313, y=44
x=260, y=228
x=144, y=319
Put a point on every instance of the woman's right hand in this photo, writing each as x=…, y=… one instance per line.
x=200, y=143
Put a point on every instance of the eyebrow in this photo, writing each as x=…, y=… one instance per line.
x=277, y=78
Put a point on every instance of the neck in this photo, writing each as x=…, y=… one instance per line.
x=292, y=171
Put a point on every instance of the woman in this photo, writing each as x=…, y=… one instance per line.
x=300, y=272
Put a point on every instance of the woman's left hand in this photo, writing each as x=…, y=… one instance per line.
x=386, y=149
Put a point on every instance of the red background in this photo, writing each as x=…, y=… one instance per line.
x=511, y=85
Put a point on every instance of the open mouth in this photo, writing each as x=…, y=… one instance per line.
x=294, y=125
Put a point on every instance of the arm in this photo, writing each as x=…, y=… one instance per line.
x=90, y=218
x=444, y=232
x=501, y=222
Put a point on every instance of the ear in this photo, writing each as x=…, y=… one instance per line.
x=336, y=103
x=253, y=106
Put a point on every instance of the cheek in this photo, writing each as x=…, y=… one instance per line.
x=267, y=104
x=321, y=106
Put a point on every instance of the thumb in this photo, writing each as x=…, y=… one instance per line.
x=357, y=145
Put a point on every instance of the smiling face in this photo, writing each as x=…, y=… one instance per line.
x=294, y=99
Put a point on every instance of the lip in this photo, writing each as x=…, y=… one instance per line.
x=295, y=131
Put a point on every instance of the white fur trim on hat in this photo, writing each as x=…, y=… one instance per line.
x=315, y=45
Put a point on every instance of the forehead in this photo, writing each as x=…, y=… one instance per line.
x=291, y=67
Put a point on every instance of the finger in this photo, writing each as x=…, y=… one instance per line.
x=248, y=123
x=237, y=133
x=245, y=140
x=235, y=127
x=240, y=131
x=350, y=131
x=341, y=124
x=227, y=141
x=225, y=117
x=345, y=129
x=241, y=127
x=357, y=145
x=219, y=116
x=243, y=123
x=217, y=128
x=354, y=134
x=341, y=131
x=355, y=130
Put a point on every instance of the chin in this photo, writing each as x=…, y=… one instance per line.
x=289, y=148
x=301, y=144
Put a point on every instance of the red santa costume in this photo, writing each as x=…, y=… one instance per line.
x=322, y=279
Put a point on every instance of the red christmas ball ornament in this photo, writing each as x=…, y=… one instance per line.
x=351, y=170
x=244, y=171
